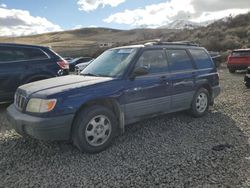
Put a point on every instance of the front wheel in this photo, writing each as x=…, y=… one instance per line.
x=94, y=129
x=200, y=103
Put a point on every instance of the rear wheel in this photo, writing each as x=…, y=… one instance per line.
x=94, y=129
x=232, y=70
x=200, y=103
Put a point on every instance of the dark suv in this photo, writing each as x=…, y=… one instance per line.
x=122, y=86
x=21, y=64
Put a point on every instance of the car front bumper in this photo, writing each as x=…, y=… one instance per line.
x=238, y=66
x=56, y=128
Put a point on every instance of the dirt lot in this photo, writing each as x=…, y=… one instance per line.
x=169, y=151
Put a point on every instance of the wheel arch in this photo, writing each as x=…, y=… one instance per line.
x=109, y=103
x=209, y=89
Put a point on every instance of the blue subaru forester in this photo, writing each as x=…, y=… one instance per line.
x=122, y=86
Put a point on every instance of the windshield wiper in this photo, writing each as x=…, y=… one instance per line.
x=96, y=75
x=89, y=74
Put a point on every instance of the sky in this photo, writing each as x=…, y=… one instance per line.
x=26, y=17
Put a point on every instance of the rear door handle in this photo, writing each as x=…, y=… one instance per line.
x=164, y=80
x=163, y=77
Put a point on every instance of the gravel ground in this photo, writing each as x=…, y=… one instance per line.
x=169, y=151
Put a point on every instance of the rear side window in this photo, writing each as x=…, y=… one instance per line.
x=34, y=53
x=201, y=58
x=19, y=54
x=240, y=53
x=179, y=60
x=153, y=60
x=6, y=54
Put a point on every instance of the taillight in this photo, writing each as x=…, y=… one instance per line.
x=63, y=64
x=228, y=58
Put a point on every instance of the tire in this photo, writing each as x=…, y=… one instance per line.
x=232, y=71
x=200, y=103
x=94, y=129
x=247, y=85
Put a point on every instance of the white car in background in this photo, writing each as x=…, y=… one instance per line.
x=79, y=67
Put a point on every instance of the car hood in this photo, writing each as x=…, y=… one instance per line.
x=61, y=84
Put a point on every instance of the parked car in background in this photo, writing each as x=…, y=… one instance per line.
x=78, y=60
x=21, y=64
x=238, y=60
x=79, y=67
x=68, y=58
x=247, y=78
x=216, y=57
x=122, y=86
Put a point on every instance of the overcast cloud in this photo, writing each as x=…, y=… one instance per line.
x=15, y=22
x=194, y=10
x=90, y=5
x=3, y=5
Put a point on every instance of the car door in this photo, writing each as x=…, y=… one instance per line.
x=182, y=72
x=149, y=94
x=10, y=70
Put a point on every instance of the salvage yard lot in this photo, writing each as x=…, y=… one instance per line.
x=174, y=150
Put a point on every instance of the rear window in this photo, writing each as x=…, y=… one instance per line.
x=19, y=54
x=201, y=58
x=240, y=53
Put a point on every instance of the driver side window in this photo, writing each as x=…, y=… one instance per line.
x=153, y=60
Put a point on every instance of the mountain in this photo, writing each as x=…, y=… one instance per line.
x=222, y=35
x=185, y=24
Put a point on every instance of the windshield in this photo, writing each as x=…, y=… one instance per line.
x=112, y=63
x=240, y=53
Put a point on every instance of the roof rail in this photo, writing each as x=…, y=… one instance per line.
x=186, y=43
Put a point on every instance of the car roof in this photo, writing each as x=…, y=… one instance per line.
x=130, y=46
x=151, y=45
x=22, y=45
x=241, y=50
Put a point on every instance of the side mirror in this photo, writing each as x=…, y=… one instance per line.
x=139, y=71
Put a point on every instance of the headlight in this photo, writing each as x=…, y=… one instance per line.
x=40, y=105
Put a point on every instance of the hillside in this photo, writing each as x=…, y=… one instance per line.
x=87, y=41
x=185, y=24
x=222, y=35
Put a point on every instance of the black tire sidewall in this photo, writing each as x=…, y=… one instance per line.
x=82, y=121
x=232, y=71
x=193, y=109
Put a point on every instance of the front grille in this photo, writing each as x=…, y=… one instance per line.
x=20, y=101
